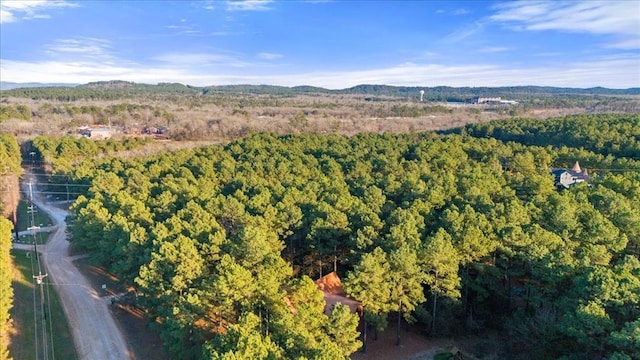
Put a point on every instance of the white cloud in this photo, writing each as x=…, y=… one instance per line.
x=37, y=16
x=15, y=10
x=615, y=72
x=629, y=43
x=466, y=32
x=83, y=72
x=208, y=5
x=200, y=59
x=494, y=49
x=80, y=48
x=455, y=12
x=6, y=16
x=269, y=56
x=618, y=18
x=184, y=27
x=460, y=11
x=248, y=5
x=548, y=54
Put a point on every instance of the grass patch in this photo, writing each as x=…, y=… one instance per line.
x=27, y=315
x=24, y=217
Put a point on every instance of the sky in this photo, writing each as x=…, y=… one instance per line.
x=332, y=44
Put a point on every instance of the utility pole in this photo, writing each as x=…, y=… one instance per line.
x=33, y=226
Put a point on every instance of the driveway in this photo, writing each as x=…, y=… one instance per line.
x=95, y=333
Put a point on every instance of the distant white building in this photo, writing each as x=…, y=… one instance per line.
x=101, y=133
x=96, y=133
x=493, y=101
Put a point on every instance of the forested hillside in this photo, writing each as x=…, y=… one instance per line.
x=457, y=233
x=125, y=89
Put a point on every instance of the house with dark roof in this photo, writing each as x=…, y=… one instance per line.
x=566, y=178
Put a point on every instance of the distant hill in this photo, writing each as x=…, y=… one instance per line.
x=439, y=93
x=101, y=90
x=128, y=85
x=443, y=93
x=116, y=89
x=7, y=85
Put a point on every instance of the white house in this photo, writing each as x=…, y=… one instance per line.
x=567, y=178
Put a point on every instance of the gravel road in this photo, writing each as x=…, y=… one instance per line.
x=95, y=333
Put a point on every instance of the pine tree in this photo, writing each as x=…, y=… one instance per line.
x=441, y=270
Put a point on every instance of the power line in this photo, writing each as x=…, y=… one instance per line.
x=63, y=184
x=39, y=278
x=35, y=309
x=45, y=341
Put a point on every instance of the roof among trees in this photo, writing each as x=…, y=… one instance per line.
x=331, y=287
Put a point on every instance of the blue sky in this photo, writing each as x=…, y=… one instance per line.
x=333, y=44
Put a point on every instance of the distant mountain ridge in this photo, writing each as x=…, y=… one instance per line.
x=119, y=88
x=8, y=85
x=391, y=90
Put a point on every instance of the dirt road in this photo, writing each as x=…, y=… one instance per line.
x=94, y=330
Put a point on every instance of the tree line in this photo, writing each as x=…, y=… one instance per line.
x=617, y=135
x=536, y=96
x=10, y=157
x=9, y=166
x=457, y=234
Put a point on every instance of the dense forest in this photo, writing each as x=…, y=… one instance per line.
x=63, y=153
x=618, y=136
x=454, y=233
x=9, y=167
